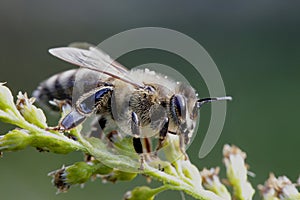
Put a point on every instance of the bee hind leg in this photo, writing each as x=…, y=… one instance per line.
x=71, y=120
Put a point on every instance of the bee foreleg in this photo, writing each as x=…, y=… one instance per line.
x=162, y=134
x=182, y=146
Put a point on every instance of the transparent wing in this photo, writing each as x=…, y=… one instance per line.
x=96, y=60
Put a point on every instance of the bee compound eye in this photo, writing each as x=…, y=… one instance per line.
x=178, y=107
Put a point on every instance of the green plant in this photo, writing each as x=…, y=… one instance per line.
x=177, y=174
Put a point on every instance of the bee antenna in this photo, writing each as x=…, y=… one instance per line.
x=200, y=102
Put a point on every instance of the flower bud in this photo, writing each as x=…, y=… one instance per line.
x=14, y=140
x=190, y=171
x=6, y=98
x=279, y=188
x=8, y=110
x=30, y=112
x=141, y=193
x=78, y=173
x=172, y=149
x=234, y=160
x=211, y=181
x=59, y=180
x=118, y=175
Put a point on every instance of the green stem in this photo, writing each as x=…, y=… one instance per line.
x=127, y=164
x=34, y=130
x=178, y=184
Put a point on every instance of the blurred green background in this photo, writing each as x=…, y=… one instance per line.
x=255, y=45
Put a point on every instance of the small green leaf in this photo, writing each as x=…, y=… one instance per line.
x=78, y=173
x=118, y=175
x=15, y=140
x=6, y=98
x=81, y=172
x=59, y=144
x=100, y=168
x=143, y=193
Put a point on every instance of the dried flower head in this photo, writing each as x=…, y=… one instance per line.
x=60, y=180
x=280, y=188
x=29, y=111
x=211, y=181
x=234, y=159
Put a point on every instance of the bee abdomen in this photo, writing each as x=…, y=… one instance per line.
x=58, y=86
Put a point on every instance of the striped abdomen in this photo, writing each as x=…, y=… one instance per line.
x=60, y=87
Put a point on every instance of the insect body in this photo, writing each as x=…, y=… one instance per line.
x=140, y=102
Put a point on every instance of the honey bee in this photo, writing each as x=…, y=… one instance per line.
x=141, y=102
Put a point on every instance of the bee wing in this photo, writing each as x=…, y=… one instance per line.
x=106, y=58
x=96, y=60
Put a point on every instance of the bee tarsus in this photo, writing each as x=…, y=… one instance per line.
x=71, y=120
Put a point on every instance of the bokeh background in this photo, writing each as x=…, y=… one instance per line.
x=255, y=44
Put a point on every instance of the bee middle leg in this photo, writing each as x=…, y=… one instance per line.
x=137, y=143
x=182, y=142
x=162, y=135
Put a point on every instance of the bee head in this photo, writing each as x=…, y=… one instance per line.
x=184, y=115
x=184, y=107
